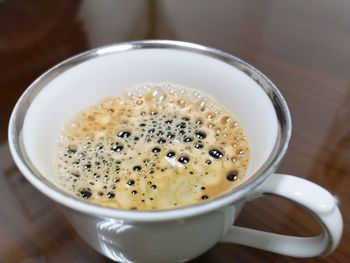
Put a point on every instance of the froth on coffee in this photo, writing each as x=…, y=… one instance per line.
x=157, y=146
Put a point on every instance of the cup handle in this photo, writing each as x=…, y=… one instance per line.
x=314, y=199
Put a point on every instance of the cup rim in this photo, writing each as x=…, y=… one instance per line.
x=49, y=189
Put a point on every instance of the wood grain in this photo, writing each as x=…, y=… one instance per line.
x=303, y=46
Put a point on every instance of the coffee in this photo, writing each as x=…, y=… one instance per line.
x=159, y=146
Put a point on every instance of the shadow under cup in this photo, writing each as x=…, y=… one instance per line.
x=86, y=79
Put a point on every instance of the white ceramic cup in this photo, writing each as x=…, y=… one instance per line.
x=175, y=235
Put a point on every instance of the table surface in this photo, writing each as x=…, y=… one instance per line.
x=303, y=46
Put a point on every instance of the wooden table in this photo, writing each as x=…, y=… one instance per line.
x=303, y=46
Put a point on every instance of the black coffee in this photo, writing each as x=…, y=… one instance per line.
x=159, y=146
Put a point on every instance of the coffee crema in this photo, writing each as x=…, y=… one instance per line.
x=158, y=146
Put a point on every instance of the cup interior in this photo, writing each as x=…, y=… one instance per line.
x=109, y=73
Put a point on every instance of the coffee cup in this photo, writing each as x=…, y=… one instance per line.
x=173, y=235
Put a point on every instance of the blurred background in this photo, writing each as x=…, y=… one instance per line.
x=302, y=46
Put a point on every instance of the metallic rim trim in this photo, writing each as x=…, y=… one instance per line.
x=28, y=170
